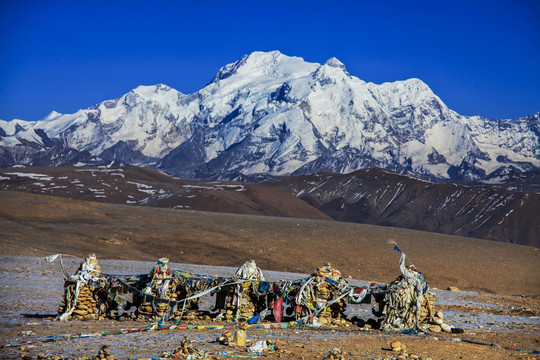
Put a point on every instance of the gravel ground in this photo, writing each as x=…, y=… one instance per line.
x=31, y=290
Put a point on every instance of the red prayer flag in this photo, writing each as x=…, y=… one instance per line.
x=277, y=309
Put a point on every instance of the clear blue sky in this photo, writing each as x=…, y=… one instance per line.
x=479, y=57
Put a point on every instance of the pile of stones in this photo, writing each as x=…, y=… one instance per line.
x=186, y=351
x=324, y=292
x=104, y=354
x=86, y=306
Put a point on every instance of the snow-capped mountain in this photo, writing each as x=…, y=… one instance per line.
x=269, y=114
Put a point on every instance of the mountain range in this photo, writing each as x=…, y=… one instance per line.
x=382, y=197
x=503, y=208
x=270, y=115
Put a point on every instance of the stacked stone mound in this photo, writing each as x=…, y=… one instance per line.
x=249, y=304
x=230, y=312
x=153, y=308
x=408, y=302
x=104, y=354
x=427, y=311
x=159, y=276
x=324, y=291
x=158, y=305
x=86, y=306
x=193, y=315
x=227, y=298
x=179, y=291
x=85, y=293
x=400, y=308
x=158, y=308
x=186, y=351
x=145, y=310
x=333, y=313
x=243, y=302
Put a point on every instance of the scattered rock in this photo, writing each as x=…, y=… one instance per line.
x=453, y=288
x=435, y=328
x=446, y=328
x=226, y=338
x=396, y=345
x=185, y=351
x=279, y=343
x=334, y=354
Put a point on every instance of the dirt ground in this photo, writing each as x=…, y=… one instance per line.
x=499, y=301
x=38, y=225
x=32, y=290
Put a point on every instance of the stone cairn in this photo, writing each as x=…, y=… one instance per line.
x=248, y=303
x=104, y=354
x=183, y=289
x=323, y=292
x=80, y=301
x=86, y=307
x=165, y=287
x=240, y=301
x=186, y=351
x=161, y=286
x=408, y=303
x=405, y=298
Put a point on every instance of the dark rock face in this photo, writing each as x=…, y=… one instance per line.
x=381, y=197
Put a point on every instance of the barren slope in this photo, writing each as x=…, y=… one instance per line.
x=40, y=225
x=383, y=197
x=143, y=186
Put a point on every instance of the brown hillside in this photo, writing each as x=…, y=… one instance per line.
x=383, y=197
x=40, y=225
x=147, y=187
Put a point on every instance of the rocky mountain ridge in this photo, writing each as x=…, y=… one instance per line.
x=370, y=196
x=383, y=197
x=268, y=115
x=140, y=186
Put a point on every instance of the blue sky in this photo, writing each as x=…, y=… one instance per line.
x=479, y=57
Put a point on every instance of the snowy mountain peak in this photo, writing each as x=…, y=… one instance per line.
x=415, y=84
x=410, y=92
x=335, y=63
x=270, y=114
x=410, y=85
x=331, y=71
x=152, y=90
x=266, y=64
x=52, y=115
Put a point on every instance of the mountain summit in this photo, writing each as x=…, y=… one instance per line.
x=269, y=114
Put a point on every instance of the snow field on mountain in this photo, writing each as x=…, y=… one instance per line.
x=269, y=114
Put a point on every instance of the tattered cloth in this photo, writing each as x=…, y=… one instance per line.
x=403, y=301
